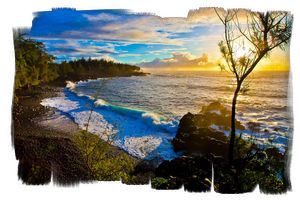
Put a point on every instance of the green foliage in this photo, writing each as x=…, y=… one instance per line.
x=265, y=170
x=35, y=66
x=32, y=62
x=34, y=173
x=104, y=161
x=162, y=183
x=159, y=183
x=94, y=68
x=252, y=166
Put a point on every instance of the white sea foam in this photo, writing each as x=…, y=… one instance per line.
x=95, y=122
x=60, y=103
x=84, y=95
x=145, y=134
x=155, y=117
x=71, y=85
x=141, y=146
x=100, y=102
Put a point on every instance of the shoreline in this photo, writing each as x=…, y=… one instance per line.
x=56, y=121
x=38, y=146
x=44, y=137
x=45, y=152
x=28, y=109
x=61, y=118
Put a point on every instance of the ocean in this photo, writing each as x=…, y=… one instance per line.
x=140, y=114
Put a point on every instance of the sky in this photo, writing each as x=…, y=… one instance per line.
x=143, y=39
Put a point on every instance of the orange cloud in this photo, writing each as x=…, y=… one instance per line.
x=182, y=61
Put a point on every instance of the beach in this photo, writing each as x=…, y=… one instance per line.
x=141, y=114
x=44, y=141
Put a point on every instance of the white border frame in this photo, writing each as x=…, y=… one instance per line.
x=16, y=13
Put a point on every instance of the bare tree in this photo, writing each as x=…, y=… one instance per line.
x=249, y=37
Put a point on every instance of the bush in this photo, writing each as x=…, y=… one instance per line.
x=106, y=162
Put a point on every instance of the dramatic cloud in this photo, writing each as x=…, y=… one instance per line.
x=123, y=35
x=116, y=25
x=180, y=60
x=147, y=39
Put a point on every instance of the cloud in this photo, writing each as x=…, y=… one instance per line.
x=125, y=35
x=161, y=51
x=105, y=57
x=141, y=29
x=113, y=25
x=180, y=60
x=130, y=55
x=209, y=15
x=77, y=49
x=102, y=17
x=108, y=25
x=204, y=15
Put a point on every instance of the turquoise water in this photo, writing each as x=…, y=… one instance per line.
x=143, y=112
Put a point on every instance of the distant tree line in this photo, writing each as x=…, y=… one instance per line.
x=93, y=68
x=35, y=66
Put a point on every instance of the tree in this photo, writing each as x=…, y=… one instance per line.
x=32, y=62
x=248, y=38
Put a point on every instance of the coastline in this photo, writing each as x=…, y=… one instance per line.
x=26, y=107
x=29, y=113
x=46, y=143
x=36, y=144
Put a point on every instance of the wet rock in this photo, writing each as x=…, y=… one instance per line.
x=193, y=139
x=203, y=133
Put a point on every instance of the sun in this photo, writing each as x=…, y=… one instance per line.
x=241, y=52
x=242, y=48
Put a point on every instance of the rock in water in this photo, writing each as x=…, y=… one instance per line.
x=194, y=140
x=203, y=133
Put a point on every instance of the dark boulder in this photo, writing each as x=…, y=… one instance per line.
x=217, y=114
x=194, y=140
x=203, y=133
x=194, y=173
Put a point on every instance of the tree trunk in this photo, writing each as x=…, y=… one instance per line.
x=232, y=133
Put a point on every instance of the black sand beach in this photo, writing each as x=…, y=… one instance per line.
x=45, y=141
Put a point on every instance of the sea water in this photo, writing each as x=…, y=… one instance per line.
x=141, y=114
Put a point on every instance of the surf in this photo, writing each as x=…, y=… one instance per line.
x=141, y=133
x=144, y=112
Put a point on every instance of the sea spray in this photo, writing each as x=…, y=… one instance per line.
x=100, y=102
x=60, y=103
x=141, y=146
x=97, y=124
x=152, y=106
x=142, y=134
x=71, y=85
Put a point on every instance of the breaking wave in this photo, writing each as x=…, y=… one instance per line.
x=120, y=107
x=141, y=133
